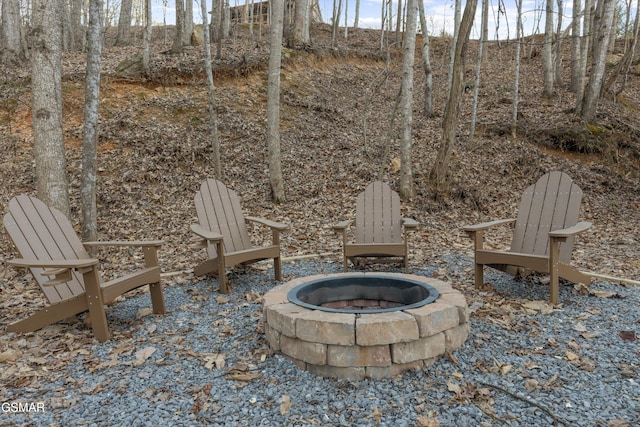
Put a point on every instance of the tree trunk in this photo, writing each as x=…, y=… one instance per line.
x=598, y=63
x=516, y=80
x=406, y=101
x=357, y=14
x=76, y=25
x=178, y=46
x=335, y=22
x=439, y=174
x=273, y=102
x=575, y=47
x=547, y=53
x=11, y=49
x=558, y=47
x=426, y=63
x=476, y=85
x=46, y=88
x=124, y=24
x=187, y=29
x=301, y=23
x=146, y=49
x=584, y=53
x=456, y=32
x=91, y=119
x=213, y=119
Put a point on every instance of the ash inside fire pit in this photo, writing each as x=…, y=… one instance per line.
x=364, y=294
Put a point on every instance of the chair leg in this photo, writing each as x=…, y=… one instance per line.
x=222, y=278
x=157, y=299
x=277, y=267
x=554, y=252
x=96, y=304
x=479, y=275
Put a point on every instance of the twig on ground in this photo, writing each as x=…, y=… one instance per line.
x=556, y=418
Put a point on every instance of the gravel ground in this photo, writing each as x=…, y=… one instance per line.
x=576, y=365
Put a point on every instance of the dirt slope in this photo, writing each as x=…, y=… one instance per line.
x=155, y=149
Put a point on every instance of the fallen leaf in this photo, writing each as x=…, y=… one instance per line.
x=540, y=306
x=143, y=355
x=531, y=384
x=424, y=421
x=454, y=388
x=213, y=360
x=571, y=356
x=627, y=335
x=588, y=335
x=143, y=312
x=603, y=294
x=285, y=405
x=580, y=327
x=10, y=355
x=221, y=299
x=243, y=377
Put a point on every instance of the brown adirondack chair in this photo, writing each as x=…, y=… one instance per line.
x=66, y=273
x=222, y=230
x=543, y=235
x=381, y=234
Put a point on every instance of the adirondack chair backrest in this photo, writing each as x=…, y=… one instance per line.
x=44, y=233
x=219, y=210
x=550, y=204
x=378, y=218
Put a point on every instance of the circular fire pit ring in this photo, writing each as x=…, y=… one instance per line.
x=372, y=293
x=364, y=335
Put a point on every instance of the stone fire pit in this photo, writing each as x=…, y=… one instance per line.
x=364, y=337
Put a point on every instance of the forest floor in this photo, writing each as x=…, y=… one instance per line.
x=336, y=105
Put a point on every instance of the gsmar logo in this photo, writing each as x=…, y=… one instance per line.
x=22, y=407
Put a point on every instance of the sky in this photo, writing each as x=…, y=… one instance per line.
x=502, y=25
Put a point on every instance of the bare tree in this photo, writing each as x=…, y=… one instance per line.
x=575, y=46
x=439, y=174
x=598, y=63
x=187, y=29
x=426, y=63
x=91, y=116
x=516, y=80
x=584, y=52
x=623, y=67
x=45, y=40
x=456, y=31
x=213, y=119
x=11, y=49
x=557, y=59
x=547, y=52
x=406, y=100
x=301, y=22
x=123, y=37
x=481, y=51
x=356, y=18
x=178, y=45
x=146, y=49
x=273, y=101
x=335, y=21
x=76, y=12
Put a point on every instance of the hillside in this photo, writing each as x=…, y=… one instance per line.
x=154, y=149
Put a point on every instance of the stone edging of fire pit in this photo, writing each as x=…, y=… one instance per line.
x=357, y=346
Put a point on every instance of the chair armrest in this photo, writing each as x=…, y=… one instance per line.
x=271, y=224
x=125, y=243
x=571, y=231
x=62, y=263
x=342, y=225
x=205, y=234
x=486, y=225
x=410, y=223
